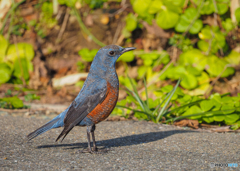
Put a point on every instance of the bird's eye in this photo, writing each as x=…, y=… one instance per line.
x=111, y=53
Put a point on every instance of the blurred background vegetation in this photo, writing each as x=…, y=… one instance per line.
x=46, y=49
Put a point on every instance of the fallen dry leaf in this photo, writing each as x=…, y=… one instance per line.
x=68, y=79
x=187, y=122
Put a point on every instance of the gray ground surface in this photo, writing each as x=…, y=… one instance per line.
x=133, y=146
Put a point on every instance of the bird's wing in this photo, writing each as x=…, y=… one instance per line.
x=89, y=98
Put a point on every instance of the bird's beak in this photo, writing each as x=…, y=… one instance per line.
x=128, y=49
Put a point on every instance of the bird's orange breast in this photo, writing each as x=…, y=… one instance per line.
x=104, y=109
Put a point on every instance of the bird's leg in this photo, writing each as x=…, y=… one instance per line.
x=93, y=138
x=89, y=149
x=90, y=130
x=89, y=142
x=95, y=149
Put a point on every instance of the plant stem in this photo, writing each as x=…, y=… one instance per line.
x=195, y=18
x=19, y=60
x=208, y=91
x=84, y=28
x=14, y=6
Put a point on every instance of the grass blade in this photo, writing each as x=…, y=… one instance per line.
x=137, y=97
x=134, y=110
x=167, y=102
x=146, y=92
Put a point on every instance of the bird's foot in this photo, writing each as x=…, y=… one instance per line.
x=95, y=150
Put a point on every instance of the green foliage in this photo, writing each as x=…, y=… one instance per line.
x=181, y=42
x=193, y=65
x=217, y=108
x=167, y=19
x=131, y=22
x=228, y=25
x=87, y=55
x=15, y=60
x=69, y=3
x=127, y=57
x=187, y=19
x=46, y=21
x=11, y=103
x=209, y=6
x=212, y=39
x=5, y=72
x=221, y=109
x=145, y=109
x=95, y=3
x=30, y=97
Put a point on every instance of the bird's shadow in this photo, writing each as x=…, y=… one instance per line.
x=123, y=141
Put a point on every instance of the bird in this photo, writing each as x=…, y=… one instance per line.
x=96, y=99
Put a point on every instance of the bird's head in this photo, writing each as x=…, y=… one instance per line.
x=108, y=55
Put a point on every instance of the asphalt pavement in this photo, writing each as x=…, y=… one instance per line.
x=130, y=145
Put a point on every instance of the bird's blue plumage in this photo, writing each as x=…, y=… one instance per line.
x=101, y=83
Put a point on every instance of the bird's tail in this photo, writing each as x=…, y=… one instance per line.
x=43, y=129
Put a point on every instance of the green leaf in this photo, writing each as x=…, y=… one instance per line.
x=197, y=26
x=208, y=7
x=141, y=71
x=176, y=3
x=186, y=19
x=213, y=35
x=226, y=109
x=21, y=50
x=147, y=62
x=233, y=58
x=167, y=88
x=87, y=55
x=232, y=118
x=222, y=6
x=192, y=110
x=189, y=81
x=218, y=117
x=206, y=105
x=14, y=101
x=21, y=69
x=216, y=66
x=237, y=14
x=227, y=99
x=127, y=57
x=131, y=22
x=228, y=25
x=208, y=119
x=167, y=19
x=155, y=6
x=141, y=7
x=30, y=97
x=5, y=73
x=236, y=125
x=194, y=71
x=203, y=79
x=193, y=57
x=203, y=45
x=152, y=55
x=126, y=33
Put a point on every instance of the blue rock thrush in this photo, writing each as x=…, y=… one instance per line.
x=95, y=101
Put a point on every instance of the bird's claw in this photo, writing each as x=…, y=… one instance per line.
x=94, y=151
